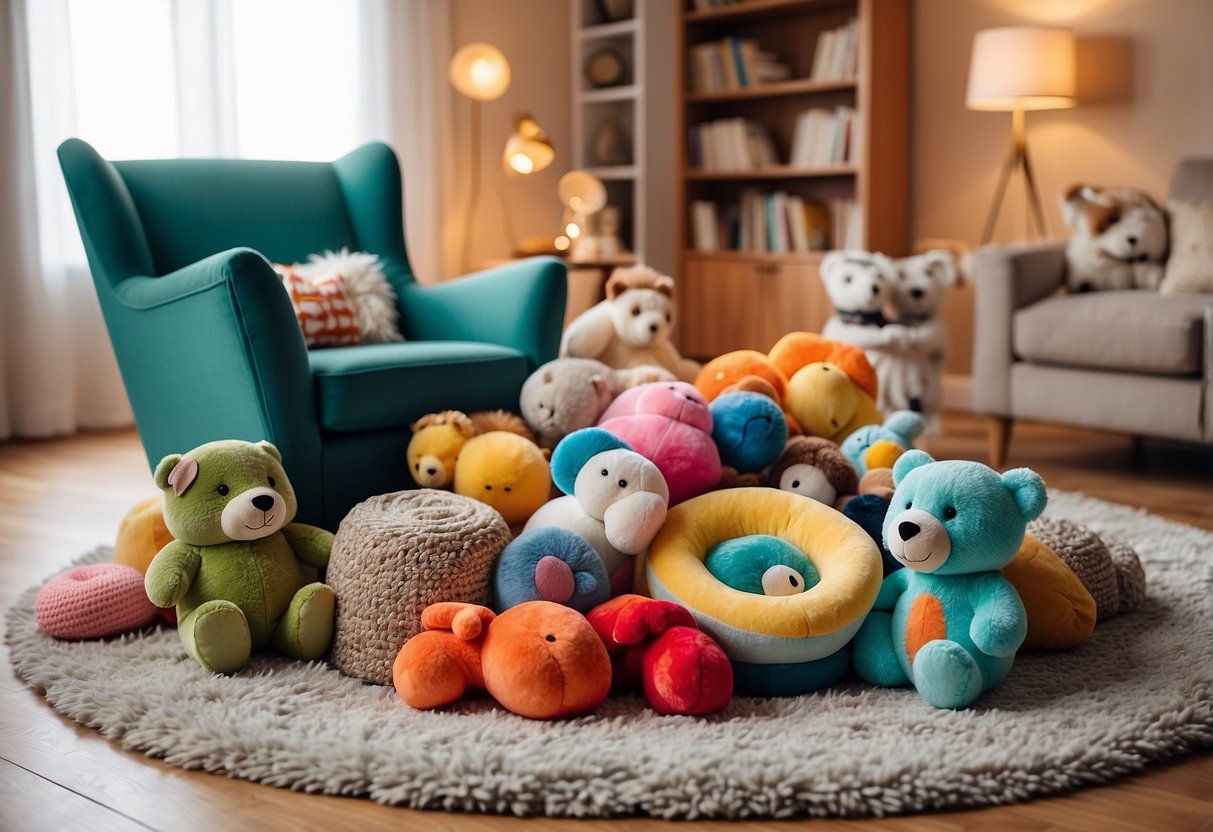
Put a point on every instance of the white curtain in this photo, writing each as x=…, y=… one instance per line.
x=176, y=64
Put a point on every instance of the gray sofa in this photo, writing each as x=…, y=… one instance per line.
x=1133, y=362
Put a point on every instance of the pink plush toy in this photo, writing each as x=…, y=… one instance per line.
x=102, y=599
x=669, y=423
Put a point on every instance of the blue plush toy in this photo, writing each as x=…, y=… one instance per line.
x=550, y=564
x=879, y=446
x=949, y=623
x=749, y=430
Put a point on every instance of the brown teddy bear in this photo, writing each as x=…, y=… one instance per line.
x=814, y=467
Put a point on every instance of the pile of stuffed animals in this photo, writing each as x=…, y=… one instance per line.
x=919, y=572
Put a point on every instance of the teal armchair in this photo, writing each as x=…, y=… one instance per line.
x=207, y=341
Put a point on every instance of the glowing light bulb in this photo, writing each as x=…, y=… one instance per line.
x=561, y=243
x=573, y=230
x=522, y=163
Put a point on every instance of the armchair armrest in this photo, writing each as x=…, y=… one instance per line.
x=1008, y=279
x=519, y=305
x=241, y=367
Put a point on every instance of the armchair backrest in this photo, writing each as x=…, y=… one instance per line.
x=153, y=217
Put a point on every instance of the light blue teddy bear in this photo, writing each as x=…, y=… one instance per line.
x=949, y=623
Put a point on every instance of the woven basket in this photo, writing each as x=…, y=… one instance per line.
x=396, y=554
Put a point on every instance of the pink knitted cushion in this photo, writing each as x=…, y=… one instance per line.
x=102, y=599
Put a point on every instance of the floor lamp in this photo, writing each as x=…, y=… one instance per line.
x=1020, y=68
x=480, y=72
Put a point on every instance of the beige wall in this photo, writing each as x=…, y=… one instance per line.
x=534, y=35
x=1145, y=69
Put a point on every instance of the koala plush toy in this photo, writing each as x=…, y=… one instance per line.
x=1119, y=239
x=235, y=568
x=949, y=623
x=632, y=326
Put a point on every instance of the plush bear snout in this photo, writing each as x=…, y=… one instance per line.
x=919, y=540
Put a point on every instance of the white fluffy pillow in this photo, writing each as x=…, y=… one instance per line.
x=367, y=287
x=1190, y=267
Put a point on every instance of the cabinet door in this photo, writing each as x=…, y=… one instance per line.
x=798, y=300
x=722, y=308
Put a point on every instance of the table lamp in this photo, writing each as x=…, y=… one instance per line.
x=480, y=72
x=582, y=194
x=527, y=150
x=1020, y=68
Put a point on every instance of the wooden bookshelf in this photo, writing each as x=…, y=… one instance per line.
x=747, y=300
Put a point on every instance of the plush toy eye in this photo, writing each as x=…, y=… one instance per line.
x=270, y=480
x=846, y=279
x=488, y=488
x=635, y=311
x=949, y=513
x=222, y=489
x=796, y=483
x=507, y=489
x=550, y=637
x=605, y=472
x=623, y=483
x=833, y=423
x=669, y=317
x=417, y=466
x=909, y=504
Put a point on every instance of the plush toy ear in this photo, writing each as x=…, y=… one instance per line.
x=617, y=283
x=941, y=265
x=1072, y=203
x=884, y=265
x=600, y=384
x=831, y=261
x=270, y=449
x=576, y=449
x=1029, y=491
x=665, y=285
x=907, y=462
x=906, y=423
x=176, y=471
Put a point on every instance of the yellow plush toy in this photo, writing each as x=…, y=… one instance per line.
x=827, y=402
x=507, y=472
x=437, y=440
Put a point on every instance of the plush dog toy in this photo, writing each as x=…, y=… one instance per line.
x=1119, y=239
x=632, y=326
x=539, y=660
x=911, y=370
x=616, y=499
x=505, y=471
x=235, y=568
x=859, y=285
x=669, y=423
x=550, y=564
x=815, y=468
x=879, y=446
x=657, y=647
x=569, y=394
x=949, y=623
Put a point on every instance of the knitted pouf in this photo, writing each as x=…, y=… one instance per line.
x=1091, y=558
x=94, y=601
x=396, y=554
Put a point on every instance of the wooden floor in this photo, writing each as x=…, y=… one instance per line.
x=59, y=499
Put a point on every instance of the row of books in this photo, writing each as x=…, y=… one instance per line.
x=731, y=144
x=775, y=222
x=825, y=137
x=836, y=56
x=732, y=63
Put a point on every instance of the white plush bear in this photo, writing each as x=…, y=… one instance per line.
x=632, y=326
x=1119, y=239
x=617, y=500
x=913, y=374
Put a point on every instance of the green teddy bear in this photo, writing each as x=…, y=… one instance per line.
x=235, y=569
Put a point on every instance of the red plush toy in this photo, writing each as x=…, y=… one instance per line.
x=657, y=646
x=539, y=659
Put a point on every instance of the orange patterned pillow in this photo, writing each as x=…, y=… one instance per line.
x=326, y=315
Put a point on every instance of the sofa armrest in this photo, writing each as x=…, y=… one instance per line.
x=224, y=328
x=1008, y=279
x=519, y=305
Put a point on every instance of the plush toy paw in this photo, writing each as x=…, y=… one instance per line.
x=306, y=628
x=217, y=635
x=945, y=675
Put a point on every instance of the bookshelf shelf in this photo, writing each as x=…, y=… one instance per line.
x=626, y=92
x=614, y=173
x=607, y=30
x=748, y=297
x=782, y=172
x=799, y=86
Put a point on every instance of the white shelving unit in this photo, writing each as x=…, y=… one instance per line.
x=642, y=185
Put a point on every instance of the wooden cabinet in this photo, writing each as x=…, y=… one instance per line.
x=743, y=299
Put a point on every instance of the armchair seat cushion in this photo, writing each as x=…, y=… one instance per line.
x=1129, y=331
x=388, y=385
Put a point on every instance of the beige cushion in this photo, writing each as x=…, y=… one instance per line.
x=1190, y=266
x=1134, y=331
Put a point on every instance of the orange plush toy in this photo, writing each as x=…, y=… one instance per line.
x=539, y=659
x=655, y=645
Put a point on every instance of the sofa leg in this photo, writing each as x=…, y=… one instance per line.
x=1000, y=439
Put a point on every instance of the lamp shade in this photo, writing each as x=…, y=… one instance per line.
x=581, y=192
x=1021, y=67
x=480, y=71
x=527, y=150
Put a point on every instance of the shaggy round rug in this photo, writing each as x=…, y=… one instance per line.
x=1137, y=693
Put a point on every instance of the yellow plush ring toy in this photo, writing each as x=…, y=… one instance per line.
x=766, y=629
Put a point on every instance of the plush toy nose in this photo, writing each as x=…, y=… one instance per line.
x=263, y=502
x=1131, y=240
x=907, y=529
x=917, y=294
x=875, y=289
x=652, y=327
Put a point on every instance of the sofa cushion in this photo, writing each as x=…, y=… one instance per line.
x=389, y=385
x=1133, y=331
